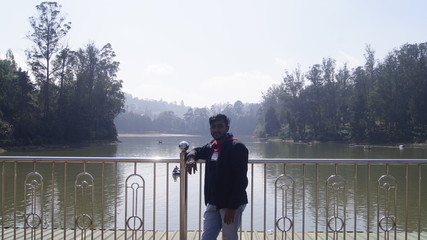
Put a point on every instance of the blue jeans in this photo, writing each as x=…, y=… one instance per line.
x=213, y=222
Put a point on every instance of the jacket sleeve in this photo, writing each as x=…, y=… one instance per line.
x=240, y=157
x=200, y=152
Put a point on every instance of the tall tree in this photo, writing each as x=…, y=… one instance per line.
x=64, y=63
x=344, y=90
x=48, y=31
x=314, y=98
x=272, y=124
x=293, y=85
x=97, y=97
x=18, y=111
x=329, y=98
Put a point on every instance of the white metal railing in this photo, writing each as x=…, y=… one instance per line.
x=320, y=198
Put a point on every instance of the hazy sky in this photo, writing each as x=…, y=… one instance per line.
x=217, y=51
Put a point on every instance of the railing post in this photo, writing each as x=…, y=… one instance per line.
x=183, y=192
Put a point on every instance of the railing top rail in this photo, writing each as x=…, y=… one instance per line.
x=85, y=159
x=337, y=160
x=175, y=160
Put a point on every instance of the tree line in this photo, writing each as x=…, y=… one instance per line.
x=75, y=95
x=380, y=102
x=193, y=121
x=152, y=107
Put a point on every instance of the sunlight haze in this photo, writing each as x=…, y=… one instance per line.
x=207, y=52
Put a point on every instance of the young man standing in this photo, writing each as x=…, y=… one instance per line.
x=225, y=180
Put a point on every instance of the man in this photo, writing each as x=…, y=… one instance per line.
x=225, y=180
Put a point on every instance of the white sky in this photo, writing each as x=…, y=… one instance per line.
x=217, y=51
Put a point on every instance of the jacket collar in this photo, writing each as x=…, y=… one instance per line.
x=217, y=145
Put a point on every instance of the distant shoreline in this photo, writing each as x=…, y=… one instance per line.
x=361, y=144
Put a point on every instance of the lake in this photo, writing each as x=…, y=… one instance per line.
x=166, y=146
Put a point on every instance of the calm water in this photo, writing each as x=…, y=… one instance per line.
x=148, y=146
x=167, y=147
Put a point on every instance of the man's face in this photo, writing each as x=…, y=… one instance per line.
x=219, y=129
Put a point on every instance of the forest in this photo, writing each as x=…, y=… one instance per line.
x=75, y=95
x=381, y=102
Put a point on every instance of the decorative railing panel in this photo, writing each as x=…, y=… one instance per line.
x=285, y=203
x=126, y=198
x=84, y=204
x=134, y=204
x=33, y=203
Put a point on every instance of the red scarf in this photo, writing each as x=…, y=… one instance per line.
x=218, y=144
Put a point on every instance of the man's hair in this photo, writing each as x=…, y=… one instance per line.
x=219, y=117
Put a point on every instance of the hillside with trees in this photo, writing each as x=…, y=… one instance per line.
x=380, y=102
x=148, y=116
x=75, y=95
x=151, y=107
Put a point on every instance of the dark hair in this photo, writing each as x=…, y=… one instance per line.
x=219, y=117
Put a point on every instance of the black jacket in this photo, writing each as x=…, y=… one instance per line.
x=225, y=179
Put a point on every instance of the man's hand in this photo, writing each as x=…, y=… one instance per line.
x=229, y=215
x=191, y=165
